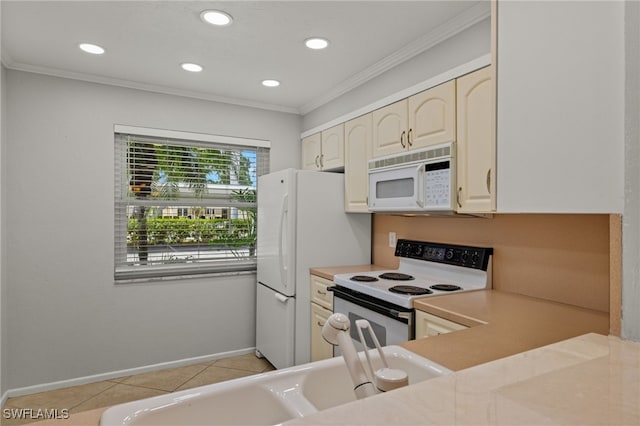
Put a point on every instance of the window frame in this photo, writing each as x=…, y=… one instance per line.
x=126, y=273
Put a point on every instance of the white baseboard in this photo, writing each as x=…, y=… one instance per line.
x=4, y=398
x=120, y=373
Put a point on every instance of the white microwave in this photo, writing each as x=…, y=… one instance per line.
x=414, y=181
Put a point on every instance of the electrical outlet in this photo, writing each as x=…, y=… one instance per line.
x=392, y=239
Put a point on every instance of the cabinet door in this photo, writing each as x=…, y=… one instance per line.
x=428, y=325
x=390, y=129
x=432, y=116
x=320, y=348
x=357, y=152
x=311, y=151
x=332, y=156
x=476, y=142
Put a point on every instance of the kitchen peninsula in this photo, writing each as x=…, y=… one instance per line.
x=521, y=360
x=591, y=379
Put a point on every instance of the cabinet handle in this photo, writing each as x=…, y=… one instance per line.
x=409, y=137
x=402, y=139
x=322, y=160
x=458, y=197
x=316, y=161
x=321, y=292
x=489, y=181
x=320, y=323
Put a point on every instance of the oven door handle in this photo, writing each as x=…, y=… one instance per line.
x=397, y=314
x=394, y=313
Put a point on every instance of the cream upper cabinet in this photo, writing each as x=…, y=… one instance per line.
x=357, y=152
x=332, y=156
x=311, y=152
x=476, y=142
x=424, y=119
x=432, y=116
x=390, y=129
x=324, y=150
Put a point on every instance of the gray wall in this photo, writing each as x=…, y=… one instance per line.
x=470, y=44
x=66, y=317
x=631, y=218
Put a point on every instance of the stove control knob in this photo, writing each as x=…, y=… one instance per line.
x=475, y=257
x=449, y=254
x=465, y=256
x=417, y=250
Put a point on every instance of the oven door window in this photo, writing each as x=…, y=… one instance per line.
x=389, y=331
x=378, y=329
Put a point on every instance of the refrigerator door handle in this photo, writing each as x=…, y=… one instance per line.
x=284, y=212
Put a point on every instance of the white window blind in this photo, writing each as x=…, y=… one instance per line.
x=183, y=206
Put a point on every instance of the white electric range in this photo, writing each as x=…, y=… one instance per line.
x=385, y=298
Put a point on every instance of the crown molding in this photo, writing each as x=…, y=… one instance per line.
x=13, y=65
x=447, y=30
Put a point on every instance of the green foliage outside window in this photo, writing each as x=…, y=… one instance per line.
x=232, y=233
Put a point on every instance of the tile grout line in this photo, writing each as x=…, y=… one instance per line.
x=191, y=378
x=94, y=396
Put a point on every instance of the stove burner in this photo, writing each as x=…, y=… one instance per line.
x=363, y=278
x=410, y=289
x=446, y=287
x=395, y=276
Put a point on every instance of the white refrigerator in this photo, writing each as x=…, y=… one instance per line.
x=301, y=224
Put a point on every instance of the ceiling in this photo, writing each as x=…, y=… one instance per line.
x=146, y=41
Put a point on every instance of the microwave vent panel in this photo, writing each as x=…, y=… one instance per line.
x=411, y=157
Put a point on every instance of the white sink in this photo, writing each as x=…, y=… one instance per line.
x=265, y=399
x=331, y=385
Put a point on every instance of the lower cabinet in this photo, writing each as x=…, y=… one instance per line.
x=321, y=310
x=320, y=348
x=428, y=325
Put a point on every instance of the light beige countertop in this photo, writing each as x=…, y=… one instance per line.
x=587, y=380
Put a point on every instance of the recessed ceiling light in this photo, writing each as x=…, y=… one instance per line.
x=216, y=17
x=271, y=83
x=191, y=67
x=91, y=48
x=316, y=43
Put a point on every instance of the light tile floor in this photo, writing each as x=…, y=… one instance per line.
x=81, y=398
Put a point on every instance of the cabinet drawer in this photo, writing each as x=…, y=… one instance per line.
x=319, y=292
x=428, y=325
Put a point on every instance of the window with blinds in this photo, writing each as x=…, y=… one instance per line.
x=185, y=204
